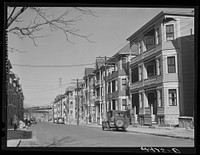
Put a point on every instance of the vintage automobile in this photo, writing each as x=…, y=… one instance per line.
x=116, y=119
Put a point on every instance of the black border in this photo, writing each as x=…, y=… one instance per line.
x=184, y=150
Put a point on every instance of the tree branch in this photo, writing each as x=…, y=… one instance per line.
x=41, y=19
x=12, y=19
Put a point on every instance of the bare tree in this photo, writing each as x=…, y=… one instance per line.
x=42, y=21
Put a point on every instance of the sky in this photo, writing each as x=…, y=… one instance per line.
x=110, y=27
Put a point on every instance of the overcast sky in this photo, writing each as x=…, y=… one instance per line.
x=109, y=28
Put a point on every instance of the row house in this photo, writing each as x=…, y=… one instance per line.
x=117, y=79
x=156, y=87
x=15, y=97
x=58, y=107
x=70, y=104
x=112, y=83
x=89, y=79
x=99, y=71
x=80, y=103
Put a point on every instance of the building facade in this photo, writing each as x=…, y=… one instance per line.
x=89, y=78
x=15, y=97
x=155, y=76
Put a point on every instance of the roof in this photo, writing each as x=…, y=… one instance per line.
x=123, y=51
x=175, y=12
x=100, y=62
x=69, y=88
x=88, y=71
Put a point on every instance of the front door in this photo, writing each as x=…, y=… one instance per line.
x=152, y=101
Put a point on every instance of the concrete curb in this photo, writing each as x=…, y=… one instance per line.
x=155, y=134
x=165, y=135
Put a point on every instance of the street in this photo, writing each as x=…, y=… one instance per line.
x=64, y=135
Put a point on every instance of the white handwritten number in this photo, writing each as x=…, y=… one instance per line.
x=157, y=149
x=176, y=150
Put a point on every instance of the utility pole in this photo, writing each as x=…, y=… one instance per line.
x=60, y=82
x=77, y=83
x=53, y=111
x=77, y=104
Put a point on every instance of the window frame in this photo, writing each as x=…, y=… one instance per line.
x=167, y=33
x=170, y=65
x=176, y=98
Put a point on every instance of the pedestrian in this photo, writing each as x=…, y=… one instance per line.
x=15, y=122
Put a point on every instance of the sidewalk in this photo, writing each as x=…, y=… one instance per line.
x=15, y=138
x=173, y=132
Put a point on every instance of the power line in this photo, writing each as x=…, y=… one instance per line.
x=115, y=48
x=22, y=65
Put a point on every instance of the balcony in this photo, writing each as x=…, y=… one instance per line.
x=136, y=85
x=149, y=52
x=116, y=94
x=152, y=80
x=144, y=55
x=97, y=99
x=115, y=74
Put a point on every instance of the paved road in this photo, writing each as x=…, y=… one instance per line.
x=60, y=135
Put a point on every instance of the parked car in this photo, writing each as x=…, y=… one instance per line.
x=116, y=119
x=60, y=120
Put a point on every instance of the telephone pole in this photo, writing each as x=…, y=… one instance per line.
x=77, y=103
x=60, y=82
x=77, y=99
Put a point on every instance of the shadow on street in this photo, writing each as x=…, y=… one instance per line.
x=58, y=142
x=18, y=134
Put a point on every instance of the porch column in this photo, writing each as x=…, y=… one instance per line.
x=135, y=115
x=145, y=100
x=100, y=120
x=158, y=66
x=144, y=73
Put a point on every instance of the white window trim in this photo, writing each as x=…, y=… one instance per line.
x=177, y=97
x=176, y=63
x=170, y=23
x=157, y=41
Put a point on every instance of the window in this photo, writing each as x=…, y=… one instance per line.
x=124, y=63
x=134, y=75
x=113, y=86
x=109, y=87
x=157, y=36
x=124, y=102
x=169, y=32
x=140, y=100
x=124, y=81
x=149, y=42
x=172, y=97
x=171, y=64
x=150, y=70
x=113, y=105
